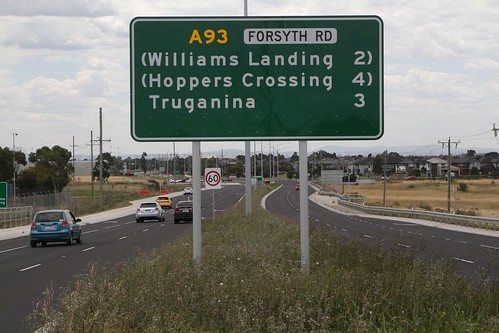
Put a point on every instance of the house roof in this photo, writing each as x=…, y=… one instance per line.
x=436, y=160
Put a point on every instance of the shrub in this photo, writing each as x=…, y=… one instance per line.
x=463, y=187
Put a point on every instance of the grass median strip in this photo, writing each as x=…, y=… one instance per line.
x=250, y=281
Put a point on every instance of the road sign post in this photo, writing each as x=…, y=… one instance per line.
x=213, y=181
x=3, y=195
x=256, y=78
x=212, y=178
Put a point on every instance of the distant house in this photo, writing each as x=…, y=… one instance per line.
x=466, y=163
x=362, y=166
x=489, y=164
x=437, y=167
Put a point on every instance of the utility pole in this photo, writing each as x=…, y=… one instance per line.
x=100, y=159
x=92, y=164
x=100, y=141
x=495, y=130
x=73, y=146
x=448, y=143
x=14, y=161
x=384, y=179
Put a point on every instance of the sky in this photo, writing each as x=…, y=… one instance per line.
x=60, y=61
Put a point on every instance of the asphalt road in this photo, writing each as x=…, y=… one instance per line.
x=472, y=254
x=26, y=273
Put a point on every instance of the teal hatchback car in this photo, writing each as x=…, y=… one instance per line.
x=55, y=226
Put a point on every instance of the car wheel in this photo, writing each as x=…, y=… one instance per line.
x=137, y=220
x=44, y=243
x=33, y=243
x=70, y=240
x=78, y=240
x=175, y=222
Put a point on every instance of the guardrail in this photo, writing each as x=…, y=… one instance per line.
x=15, y=216
x=464, y=220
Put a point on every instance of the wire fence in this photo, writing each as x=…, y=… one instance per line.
x=21, y=210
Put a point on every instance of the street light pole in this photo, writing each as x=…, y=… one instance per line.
x=14, y=160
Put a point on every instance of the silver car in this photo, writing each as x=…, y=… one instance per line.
x=149, y=211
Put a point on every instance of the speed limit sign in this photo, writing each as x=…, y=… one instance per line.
x=212, y=178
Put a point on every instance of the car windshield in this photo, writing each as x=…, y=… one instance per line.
x=147, y=205
x=163, y=198
x=49, y=216
x=184, y=204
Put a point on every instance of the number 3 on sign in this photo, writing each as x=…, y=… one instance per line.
x=361, y=102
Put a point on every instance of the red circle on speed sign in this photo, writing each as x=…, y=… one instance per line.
x=213, y=178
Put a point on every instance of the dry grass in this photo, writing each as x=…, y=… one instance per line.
x=482, y=197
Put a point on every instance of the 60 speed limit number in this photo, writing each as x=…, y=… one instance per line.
x=212, y=178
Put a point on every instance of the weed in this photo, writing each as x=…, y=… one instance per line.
x=463, y=187
x=425, y=206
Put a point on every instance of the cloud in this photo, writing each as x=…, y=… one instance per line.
x=80, y=8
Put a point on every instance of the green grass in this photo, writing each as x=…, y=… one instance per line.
x=250, y=280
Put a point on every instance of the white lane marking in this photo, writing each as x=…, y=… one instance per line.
x=112, y=226
x=123, y=237
x=345, y=230
x=464, y=260
x=368, y=236
x=30, y=267
x=13, y=249
x=145, y=230
x=90, y=231
x=490, y=247
x=88, y=249
x=403, y=245
x=131, y=222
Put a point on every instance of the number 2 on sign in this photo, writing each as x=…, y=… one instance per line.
x=209, y=36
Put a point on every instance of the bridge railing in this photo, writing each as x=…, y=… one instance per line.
x=15, y=216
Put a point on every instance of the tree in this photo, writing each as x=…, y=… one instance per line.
x=52, y=170
x=107, y=162
x=28, y=180
x=7, y=163
x=143, y=162
x=377, y=165
x=470, y=152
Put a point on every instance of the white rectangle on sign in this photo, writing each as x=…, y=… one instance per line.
x=291, y=36
x=212, y=178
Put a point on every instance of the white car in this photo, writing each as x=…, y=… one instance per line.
x=149, y=211
x=188, y=191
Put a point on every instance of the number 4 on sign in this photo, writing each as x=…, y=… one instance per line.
x=359, y=79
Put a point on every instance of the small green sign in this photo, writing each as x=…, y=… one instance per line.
x=256, y=78
x=3, y=195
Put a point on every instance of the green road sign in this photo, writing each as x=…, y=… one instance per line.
x=256, y=78
x=3, y=195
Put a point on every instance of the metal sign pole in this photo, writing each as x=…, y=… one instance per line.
x=304, y=227
x=247, y=177
x=196, y=178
